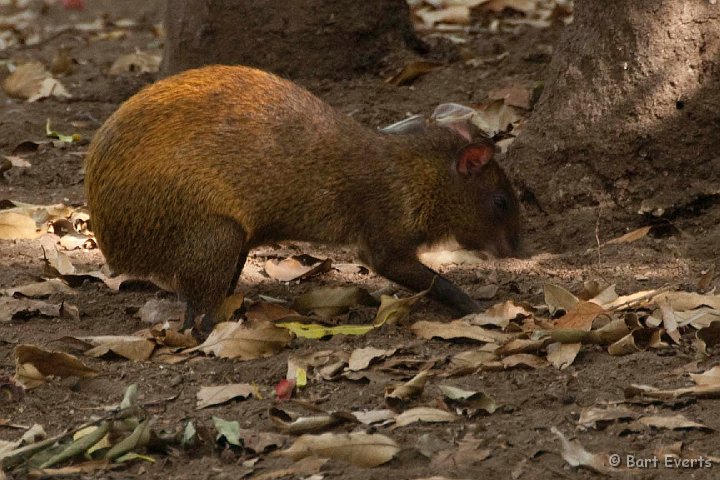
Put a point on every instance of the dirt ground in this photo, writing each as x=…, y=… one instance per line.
x=561, y=249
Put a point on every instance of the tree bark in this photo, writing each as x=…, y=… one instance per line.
x=630, y=112
x=295, y=38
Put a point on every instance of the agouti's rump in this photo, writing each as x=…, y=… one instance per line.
x=197, y=169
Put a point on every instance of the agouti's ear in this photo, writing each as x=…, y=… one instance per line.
x=473, y=157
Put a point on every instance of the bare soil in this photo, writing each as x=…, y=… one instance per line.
x=561, y=248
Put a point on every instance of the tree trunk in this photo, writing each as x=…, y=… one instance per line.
x=295, y=38
x=630, y=113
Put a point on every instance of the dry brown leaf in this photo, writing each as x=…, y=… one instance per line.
x=473, y=359
x=329, y=301
x=17, y=226
x=396, y=396
x=468, y=399
x=590, y=416
x=127, y=346
x=467, y=454
x=361, y=358
x=458, y=329
x=375, y=416
x=580, y=316
x=424, y=414
x=499, y=314
x=524, y=360
x=496, y=117
x=681, y=301
x=138, y=62
x=33, y=365
x=630, y=236
x=412, y=71
x=669, y=319
x=562, y=355
x=708, y=377
x=158, y=311
x=635, y=341
x=11, y=308
x=235, y=340
x=32, y=82
x=209, y=396
x=675, y=422
x=229, y=306
x=699, y=391
x=396, y=310
x=514, y=95
x=56, y=262
x=457, y=14
x=75, y=240
x=521, y=345
x=296, y=267
x=360, y=449
x=557, y=298
x=40, y=290
x=296, y=425
x=576, y=455
x=308, y=468
x=523, y=6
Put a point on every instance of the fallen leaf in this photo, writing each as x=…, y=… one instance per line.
x=307, y=468
x=261, y=442
x=32, y=82
x=630, y=236
x=228, y=431
x=591, y=416
x=285, y=388
x=496, y=117
x=138, y=62
x=40, y=290
x=316, y=331
x=514, y=95
x=296, y=425
x=458, y=329
x=458, y=14
x=557, y=298
x=131, y=347
x=424, y=414
x=361, y=358
x=235, y=340
x=525, y=360
x=360, y=449
x=576, y=456
x=296, y=267
x=329, y=301
x=675, y=422
x=396, y=310
x=708, y=377
x=680, y=301
x=412, y=71
x=562, y=355
x=17, y=226
x=159, y=311
x=466, y=454
x=699, y=391
x=13, y=308
x=469, y=399
x=499, y=314
x=33, y=365
x=209, y=396
x=396, y=396
x=374, y=416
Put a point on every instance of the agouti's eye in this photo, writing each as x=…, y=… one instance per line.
x=500, y=202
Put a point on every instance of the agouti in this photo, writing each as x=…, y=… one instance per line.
x=197, y=169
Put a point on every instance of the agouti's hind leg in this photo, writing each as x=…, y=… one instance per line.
x=208, y=264
x=238, y=270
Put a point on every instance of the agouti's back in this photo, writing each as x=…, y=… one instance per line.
x=196, y=169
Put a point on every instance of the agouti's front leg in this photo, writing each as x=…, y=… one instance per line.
x=407, y=271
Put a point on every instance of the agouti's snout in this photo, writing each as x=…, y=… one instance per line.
x=195, y=170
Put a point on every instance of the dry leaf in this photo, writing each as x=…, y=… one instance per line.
x=307, y=468
x=467, y=454
x=138, y=62
x=514, y=96
x=499, y=314
x=579, y=316
x=127, y=346
x=40, y=290
x=374, y=416
x=11, y=308
x=557, y=298
x=523, y=6
x=458, y=329
x=361, y=358
x=412, y=388
x=396, y=310
x=675, y=422
x=468, y=399
x=329, y=301
x=699, y=391
x=576, y=456
x=496, y=117
x=34, y=364
x=562, y=355
x=412, y=71
x=209, y=396
x=680, y=301
x=708, y=377
x=523, y=359
x=630, y=236
x=590, y=416
x=158, y=310
x=360, y=449
x=17, y=226
x=296, y=267
x=299, y=425
x=458, y=14
x=424, y=414
x=235, y=340
x=32, y=82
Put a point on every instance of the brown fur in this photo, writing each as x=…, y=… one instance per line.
x=197, y=169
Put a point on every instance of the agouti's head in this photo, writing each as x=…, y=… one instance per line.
x=479, y=208
x=490, y=213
